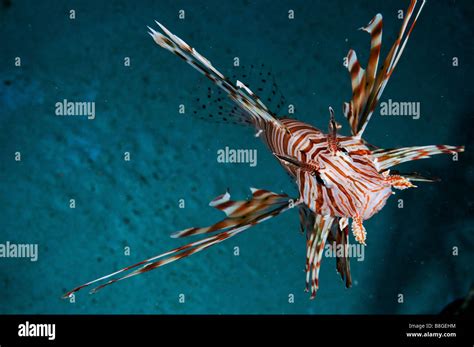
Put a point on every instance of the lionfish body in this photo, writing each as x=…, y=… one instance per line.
x=344, y=184
x=341, y=180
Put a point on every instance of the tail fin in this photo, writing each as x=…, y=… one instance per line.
x=248, y=101
x=241, y=215
x=368, y=86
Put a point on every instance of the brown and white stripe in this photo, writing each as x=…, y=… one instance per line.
x=241, y=215
x=368, y=86
x=387, y=158
x=257, y=112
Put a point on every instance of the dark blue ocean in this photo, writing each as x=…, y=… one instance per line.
x=423, y=251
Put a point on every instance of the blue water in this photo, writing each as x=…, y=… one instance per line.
x=135, y=204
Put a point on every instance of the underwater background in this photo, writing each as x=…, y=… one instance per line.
x=173, y=156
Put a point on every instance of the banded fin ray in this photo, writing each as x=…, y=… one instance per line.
x=368, y=86
x=212, y=104
x=320, y=229
x=386, y=158
x=265, y=205
x=243, y=97
x=241, y=212
x=314, y=251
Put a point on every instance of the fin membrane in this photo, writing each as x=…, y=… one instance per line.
x=212, y=104
x=239, y=93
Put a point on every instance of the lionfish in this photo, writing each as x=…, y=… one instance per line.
x=340, y=179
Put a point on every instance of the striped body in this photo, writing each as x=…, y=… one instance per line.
x=352, y=184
